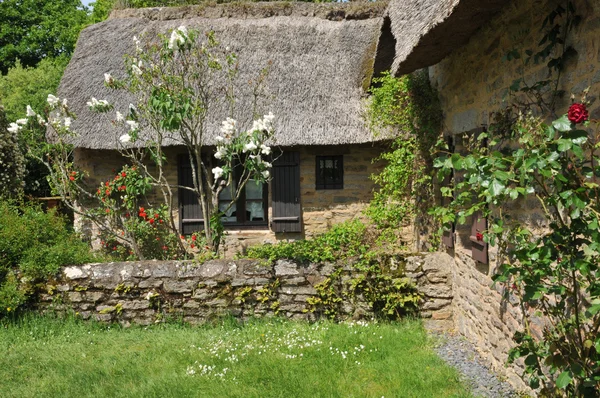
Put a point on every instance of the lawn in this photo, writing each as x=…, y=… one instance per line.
x=46, y=357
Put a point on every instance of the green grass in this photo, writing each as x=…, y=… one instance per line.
x=45, y=357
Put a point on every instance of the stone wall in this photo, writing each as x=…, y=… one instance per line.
x=320, y=208
x=147, y=292
x=473, y=82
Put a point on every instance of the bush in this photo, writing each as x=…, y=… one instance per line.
x=33, y=247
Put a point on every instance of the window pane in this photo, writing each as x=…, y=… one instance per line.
x=254, y=190
x=226, y=193
x=229, y=214
x=255, y=210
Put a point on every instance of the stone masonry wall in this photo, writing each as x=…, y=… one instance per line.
x=147, y=292
x=472, y=82
x=321, y=208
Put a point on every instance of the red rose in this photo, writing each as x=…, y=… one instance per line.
x=479, y=236
x=72, y=178
x=193, y=237
x=151, y=221
x=578, y=113
x=123, y=174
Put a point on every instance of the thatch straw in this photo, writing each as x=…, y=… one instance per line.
x=321, y=64
x=426, y=31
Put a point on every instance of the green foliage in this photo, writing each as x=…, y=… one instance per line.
x=407, y=107
x=554, y=271
x=36, y=29
x=389, y=294
x=23, y=86
x=101, y=10
x=341, y=241
x=33, y=247
x=11, y=161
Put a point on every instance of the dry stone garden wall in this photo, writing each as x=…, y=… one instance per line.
x=145, y=292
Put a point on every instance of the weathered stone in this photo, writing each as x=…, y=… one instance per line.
x=286, y=268
x=203, y=294
x=436, y=291
x=294, y=281
x=174, y=286
x=212, y=269
x=298, y=290
x=103, y=317
x=63, y=288
x=75, y=297
x=436, y=304
x=135, y=304
x=150, y=283
x=75, y=273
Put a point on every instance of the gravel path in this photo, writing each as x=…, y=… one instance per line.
x=461, y=354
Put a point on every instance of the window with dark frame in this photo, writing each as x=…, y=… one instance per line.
x=330, y=172
x=248, y=212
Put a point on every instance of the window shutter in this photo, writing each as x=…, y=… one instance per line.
x=190, y=211
x=479, y=249
x=287, y=212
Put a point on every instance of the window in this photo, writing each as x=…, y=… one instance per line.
x=330, y=172
x=249, y=209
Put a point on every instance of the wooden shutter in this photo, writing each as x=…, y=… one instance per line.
x=479, y=249
x=190, y=210
x=287, y=212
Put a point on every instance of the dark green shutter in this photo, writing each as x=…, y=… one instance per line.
x=287, y=212
x=190, y=210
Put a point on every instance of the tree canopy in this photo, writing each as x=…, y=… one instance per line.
x=36, y=29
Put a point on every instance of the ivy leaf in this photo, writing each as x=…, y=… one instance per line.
x=496, y=187
x=563, y=124
x=564, y=144
x=564, y=379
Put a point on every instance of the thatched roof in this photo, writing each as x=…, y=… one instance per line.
x=426, y=31
x=323, y=57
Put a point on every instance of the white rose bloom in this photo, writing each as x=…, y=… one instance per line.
x=108, y=78
x=120, y=117
x=22, y=122
x=249, y=147
x=266, y=173
x=133, y=125
x=266, y=150
x=218, y=172
x=125, y=138
x=30, y=111
x=14, y=128
x=52, y=100
x=68, y=122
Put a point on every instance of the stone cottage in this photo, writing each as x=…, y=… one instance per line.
x=322, y=59
x=465, y=43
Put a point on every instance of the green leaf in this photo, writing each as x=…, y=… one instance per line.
x=496, y=187
x=564, y=379
x=562, y=124
x=564, y=144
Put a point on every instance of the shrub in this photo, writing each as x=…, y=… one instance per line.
x=33, y=247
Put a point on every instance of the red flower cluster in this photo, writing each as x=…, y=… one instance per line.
x=578, y=113
x=73, y=175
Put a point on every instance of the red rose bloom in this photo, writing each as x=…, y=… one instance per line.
x=578, y=113
x=479, y=236
x=123, y=174
x=72, y=178
x=193, y=237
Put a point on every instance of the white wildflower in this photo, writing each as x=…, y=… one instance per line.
x=136, y=70
x=218, y=172
x=266, y=173
x=265, y=150
x=120, y=117
x=138, y=46
x=68, y=122
x=41, y=120
x=103, y=103
x=30, y=111
x=267, y=165
x=249, y=147
x=257, y=125
x=22, y=122
x=14, y=128
x=125, y=138
x=269, y=118
x=52, y=100
x=219, y=138
x=108, y=78
x=228, y=127
x=93, y=102
x=133, y=125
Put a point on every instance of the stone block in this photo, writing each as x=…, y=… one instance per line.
x=306, y=290
x=286, y=268
x=75, y=297
x=175, y=286
x=150, y=283
x=94, y=296
x=135, y=304
x=294, y=281
x=436, y=304
x=436, y=291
